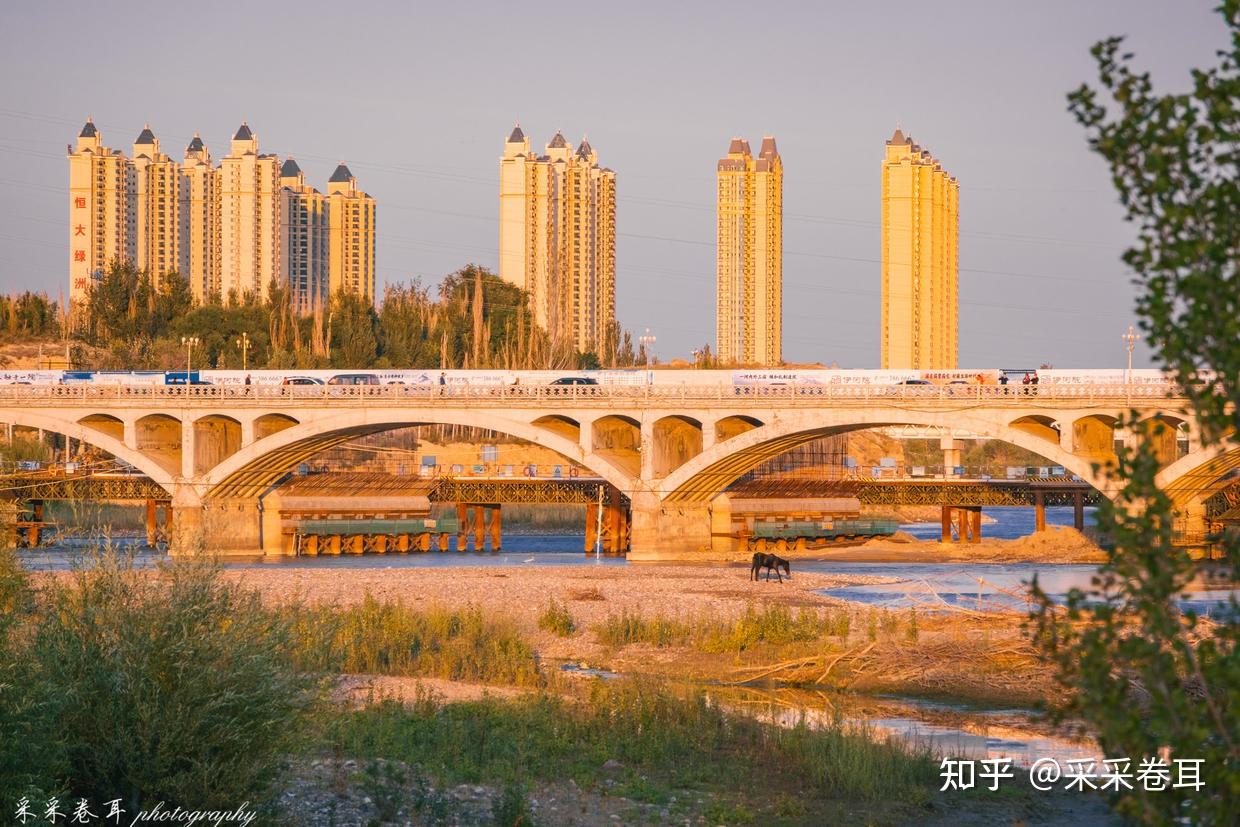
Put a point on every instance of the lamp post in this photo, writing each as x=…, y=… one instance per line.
x=189, y=342
x=244, y=344
x=1130, y=338
x=647, y=340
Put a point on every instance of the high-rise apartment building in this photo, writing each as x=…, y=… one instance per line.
x=158, y=205
x=920, y=276
x=303, y=240
x=557, y=238
x=229, y=230
x=200, y=244
x=101, y=219
x=249, y=193
x=351, y=214
x=749, y=255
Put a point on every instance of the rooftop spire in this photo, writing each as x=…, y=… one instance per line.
x=89, y=131
x=244, y=133
x=146, y=136
x=517, y=135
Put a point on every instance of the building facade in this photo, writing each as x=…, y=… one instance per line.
x=920, y=271
x=249, y=193
x=351, y=215
x=201, y=221
x=557, y=238
x=101, y=219
x=303, y=240
x=229, y=230
x=159, y=204
x=749, y=255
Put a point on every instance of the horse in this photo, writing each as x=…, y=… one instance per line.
x=763, y=560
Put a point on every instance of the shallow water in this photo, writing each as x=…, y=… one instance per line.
x=942, y=729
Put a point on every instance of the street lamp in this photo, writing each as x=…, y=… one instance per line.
x=1130, y=337
x=244, y=344
x=190, y=342
x=647, y=340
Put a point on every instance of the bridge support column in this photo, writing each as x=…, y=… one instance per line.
x=1039, y=510
x=151, y=524
x=951, y=455
x=462, y=531
x=675, y=531
x=947, y=524
x=247, y=432
x=647, y=450
x=1078, y=510
x=480, y=529
x=591, y=527
x=496, y=527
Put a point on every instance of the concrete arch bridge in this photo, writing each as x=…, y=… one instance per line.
x=672, y=450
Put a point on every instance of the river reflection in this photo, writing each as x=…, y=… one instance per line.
x=942, y=729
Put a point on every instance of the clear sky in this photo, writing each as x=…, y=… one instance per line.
x=418, y=98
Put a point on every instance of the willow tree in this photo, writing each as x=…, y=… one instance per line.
x=1151, y=678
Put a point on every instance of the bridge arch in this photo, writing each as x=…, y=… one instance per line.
x=1200, y=474
x=251, y=471
x=708, y=474
x=84, y=431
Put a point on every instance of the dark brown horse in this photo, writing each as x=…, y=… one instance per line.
x=762, y=560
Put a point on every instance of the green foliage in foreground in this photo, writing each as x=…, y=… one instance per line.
x=390, y=638
x=1149, y=678
x=172, y=687
x=664, y=741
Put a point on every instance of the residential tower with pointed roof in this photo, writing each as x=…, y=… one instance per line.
x=351, y=235
x=749, y=255
x=557, y=238
x=920, y=228
x=101, y=221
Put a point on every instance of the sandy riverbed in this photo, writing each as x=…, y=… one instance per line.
x=591, y=592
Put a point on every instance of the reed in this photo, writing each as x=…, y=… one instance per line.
x=556, y=619
x=391, y=638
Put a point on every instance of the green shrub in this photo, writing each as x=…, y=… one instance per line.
x=556, y=618
x=512, y=808
x=390, y=638
x=168, y=686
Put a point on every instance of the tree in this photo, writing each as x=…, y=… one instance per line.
x=1147, y=676
x=354, y=331
x=588, y=361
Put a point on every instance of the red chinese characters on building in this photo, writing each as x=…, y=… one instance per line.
x=79, y=284
x=79, y=202
x=79, y=230
x=79, y=255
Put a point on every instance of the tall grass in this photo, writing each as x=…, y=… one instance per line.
x=391, y=638
x=775, y=625
x=664, y=741
x=168, y=686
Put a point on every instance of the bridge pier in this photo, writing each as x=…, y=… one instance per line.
x=674, y=531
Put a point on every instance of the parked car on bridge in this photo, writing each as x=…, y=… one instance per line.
x=354, y=379
x=301, y=380
x=575, y=380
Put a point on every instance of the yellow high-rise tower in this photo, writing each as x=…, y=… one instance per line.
x=101, y=218
x=200, y=211
x=557, y=238
x=749, y=255
x=304, y=245
x=159, y=204
x=351, y=254
x=920, y=274
x=249, y=186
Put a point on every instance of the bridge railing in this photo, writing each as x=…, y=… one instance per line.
x=808, y=396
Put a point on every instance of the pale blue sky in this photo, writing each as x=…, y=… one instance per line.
x=418, y=98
